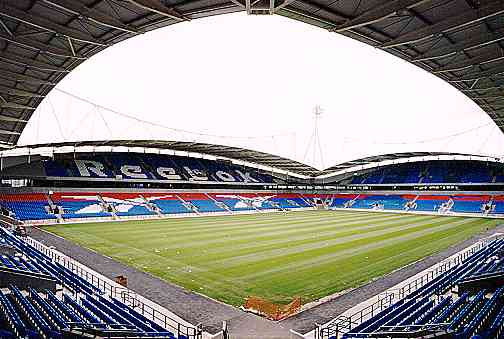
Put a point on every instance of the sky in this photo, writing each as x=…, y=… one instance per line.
x=253, y=82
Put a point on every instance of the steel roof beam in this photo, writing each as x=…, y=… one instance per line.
x=282, y=5
x=488, y=97
x=239, y=3
x=469, y=63
x=4, y=117
x=92, y=14
x=7, y=104
x=481, y=74
x=447, y=25
x=466, y=44
x=19, y=92
x=159, y=8
x=5, y=27
x=482, y=89
x=6, y=74
x=379, y=13
x=5, y=132
x=46, y=24
x=39, y=47
x=20, y=60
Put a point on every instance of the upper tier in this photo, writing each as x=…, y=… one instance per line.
x=430, y=172
x=139, y=167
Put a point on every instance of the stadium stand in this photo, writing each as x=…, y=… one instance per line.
x=79, y=309
x=107, y=204
x=152, y=167
x=431, y=172
x=439, y=307
x=77, y=205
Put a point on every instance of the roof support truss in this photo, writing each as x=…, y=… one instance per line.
x=5, y=104
x=19, y=92
x=5, y=27
x=40, y=22
x=5, y=132
x=471, y=16
x=381, y=12
x=39, y=65
x=159, y=8
x=9, y=75
x=91, y=14
x=39, y=47
x=4, y=117
x=499, y=69
x=470, y=63
x=468, y=44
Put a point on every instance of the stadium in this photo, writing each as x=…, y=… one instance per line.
x=144, y=238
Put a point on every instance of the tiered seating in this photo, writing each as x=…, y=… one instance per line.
x=432, y=172
x=127, y=204
x=27, y=206
x=339, y=200
x=235, y=202
x=499, y=204
x=169, y=204
x=35, y=261
x=34, y=206
x=469, y=204
x=152, y=167
x=430, y=203
x=80, y=205
x=390, y=202
x=434, y=307
x=32, y=314
x=289, y=200
x=202, y=202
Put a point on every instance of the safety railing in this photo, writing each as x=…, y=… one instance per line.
x=441, y=268
x=124, y=294
x=345, y=323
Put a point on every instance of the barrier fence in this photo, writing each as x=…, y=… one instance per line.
x=345, y=323
x=124, y=294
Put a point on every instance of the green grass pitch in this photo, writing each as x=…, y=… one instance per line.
x=276, y=256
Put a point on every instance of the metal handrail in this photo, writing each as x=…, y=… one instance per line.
x=337, y=326
x=121, y=293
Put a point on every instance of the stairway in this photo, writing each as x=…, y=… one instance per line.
x=490, y=204
x=306, y=201
x=350, y=203
x=188, y=205
x=151, y=206
x=108, y=208
x=219, y=204
x=446, y=206
x=55, y=209
x=411, y=204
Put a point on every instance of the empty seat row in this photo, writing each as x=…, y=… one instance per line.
x=475, y=314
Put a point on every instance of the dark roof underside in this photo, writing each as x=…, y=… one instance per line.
x=460, y=41
x=241, y=154
x=375, y=159
x=235, y=153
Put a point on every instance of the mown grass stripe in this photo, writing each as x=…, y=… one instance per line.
x=347, y=249
x=276, y=255
x=312, y=239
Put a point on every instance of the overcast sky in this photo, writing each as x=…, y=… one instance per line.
x=253, y=81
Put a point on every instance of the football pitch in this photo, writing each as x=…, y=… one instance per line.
x=276, y=256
